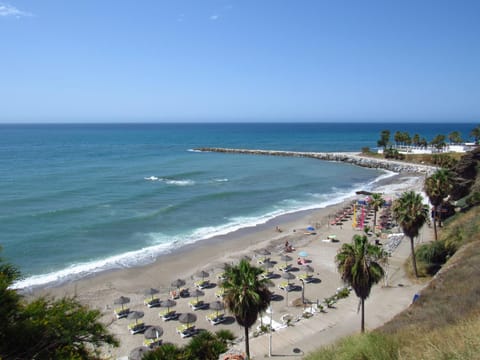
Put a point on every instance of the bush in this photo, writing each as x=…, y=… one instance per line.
x=432, y=256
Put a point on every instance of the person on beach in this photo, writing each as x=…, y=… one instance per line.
x=288, y=247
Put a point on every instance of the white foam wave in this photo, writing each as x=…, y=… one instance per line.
x=177, y=182
x=220, y=180
x=77, y=271
x=151, y=178
x=194, y=150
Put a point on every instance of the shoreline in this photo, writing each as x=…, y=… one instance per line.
x=99, y=290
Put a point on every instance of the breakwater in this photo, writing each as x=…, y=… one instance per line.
x=345, y=157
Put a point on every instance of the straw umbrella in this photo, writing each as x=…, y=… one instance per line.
x=121, y=301
x=138, y=353
x=217, y=305
x=168, y=304
x=153, y=332
x=187, y=318
x=177, y=283
x=202, y=274
x=135, y=315
x=263, y=252
x=286, y=258
x=197, y=293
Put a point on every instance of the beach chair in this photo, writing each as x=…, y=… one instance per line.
x=219, y=294
x=215, y=319
x=121, y=313
x=266, y=275
x=136, y=328
x=186, y=331
x=305, y=278
x=285, y=286
x=262, y=260
x=202, y=284
x=197, y=305
x=152, y=302
x=221, y=276
x=168, y=315
x=152, y=343
x=284, y=268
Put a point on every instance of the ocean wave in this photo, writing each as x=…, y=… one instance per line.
x=77, y=271
x=186, y=182
x=194, y=150
x=162, y=243
x=220, y=180
x=151, y=178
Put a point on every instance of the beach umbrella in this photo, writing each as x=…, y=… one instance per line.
x=135, y=315
x=286, y=258
x=307, y=268
x=310, y=228
x=217, y=305
x=263, y=252
x=121, y=301
x=187, y=318
x=177, y=283
x=168, y=304
x=138, y=353
x=203, y=274
x=153, y=332
x=246, y=257
x=151, y=292
x=288, y=276
x=197, y=293
x=303, y=254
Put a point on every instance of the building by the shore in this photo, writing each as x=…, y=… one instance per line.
x=448, y=148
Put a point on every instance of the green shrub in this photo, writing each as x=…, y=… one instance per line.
x=432, y=256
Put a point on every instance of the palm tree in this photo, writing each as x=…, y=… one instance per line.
x=411, y=214
x=376, y=201
x=245, y=295
x=437, y=187
x=358, y=264
x=475, y=133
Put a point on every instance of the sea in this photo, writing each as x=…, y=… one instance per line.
x=77, y=199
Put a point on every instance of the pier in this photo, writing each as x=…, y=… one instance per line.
x=345, y=157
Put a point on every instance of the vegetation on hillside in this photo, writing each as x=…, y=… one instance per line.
x=444, y=322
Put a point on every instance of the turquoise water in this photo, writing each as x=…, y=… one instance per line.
x=77, y=199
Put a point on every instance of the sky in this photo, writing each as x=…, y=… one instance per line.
x=239, y=60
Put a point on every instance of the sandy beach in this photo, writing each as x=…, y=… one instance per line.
x=304, y=334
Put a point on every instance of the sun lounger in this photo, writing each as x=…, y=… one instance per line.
x=136, y=328
x=215, y=319
x=219, y=294
x=197, y=305
x=152, y=302
x=186, y=331
x=121, y=313
x=202, y=284
x=168, y=315
x=306, y=278
x=267, y=274
x=152, y=343
x=262, y=260
x=221, y=276
x=285, y=286
x=284, y=268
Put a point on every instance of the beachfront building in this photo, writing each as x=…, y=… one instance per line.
x=429, y=149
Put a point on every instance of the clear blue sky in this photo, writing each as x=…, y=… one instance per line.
x=197, y=60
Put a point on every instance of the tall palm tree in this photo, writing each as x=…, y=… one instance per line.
x=245, y=295
x=475, y=133
x=411, y=214
x=437, y=187
x=358, y=264
x=376, y=201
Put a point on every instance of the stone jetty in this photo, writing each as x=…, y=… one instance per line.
x=345, y=157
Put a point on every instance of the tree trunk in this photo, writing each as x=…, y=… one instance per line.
x=435, y=222
x=247, y=345
x=414, y=261
x=374, y=220
x=363, y=315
